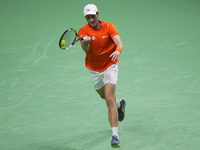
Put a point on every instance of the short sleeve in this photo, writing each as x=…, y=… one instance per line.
x=113, y=30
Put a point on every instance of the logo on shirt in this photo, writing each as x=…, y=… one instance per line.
x=93, y=37
x=104, y=36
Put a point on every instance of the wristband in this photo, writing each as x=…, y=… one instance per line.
x=119, y=49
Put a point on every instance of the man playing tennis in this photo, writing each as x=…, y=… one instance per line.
x=103, y=47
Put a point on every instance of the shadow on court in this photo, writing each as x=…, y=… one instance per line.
x=82, y=141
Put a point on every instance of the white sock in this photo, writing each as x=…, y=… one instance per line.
x=117, y=102
x=115, y=131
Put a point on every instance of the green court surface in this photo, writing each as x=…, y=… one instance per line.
x=47, y=100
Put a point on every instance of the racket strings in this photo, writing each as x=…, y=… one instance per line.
x=70, y=38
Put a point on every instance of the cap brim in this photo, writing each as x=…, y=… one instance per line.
x=90, y=13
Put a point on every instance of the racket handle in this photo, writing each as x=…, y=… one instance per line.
x=84, y=38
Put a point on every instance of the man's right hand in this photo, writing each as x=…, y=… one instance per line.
x=86, y=39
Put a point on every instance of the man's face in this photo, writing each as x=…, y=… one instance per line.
x=93, y=20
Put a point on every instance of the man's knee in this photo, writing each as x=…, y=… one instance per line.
x=110, y=100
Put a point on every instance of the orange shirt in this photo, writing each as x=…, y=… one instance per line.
x=101, y=46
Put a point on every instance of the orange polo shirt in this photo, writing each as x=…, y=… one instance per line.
x=101, y=46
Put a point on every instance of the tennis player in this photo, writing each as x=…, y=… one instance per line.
x=103, y=47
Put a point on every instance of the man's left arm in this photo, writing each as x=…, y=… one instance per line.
x=119, y=48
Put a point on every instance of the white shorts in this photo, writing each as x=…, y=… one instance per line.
x=99, y=79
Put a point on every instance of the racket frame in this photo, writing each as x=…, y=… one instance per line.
x=76, y=39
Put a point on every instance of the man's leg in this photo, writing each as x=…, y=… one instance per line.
x=112, y=112
x=107, y=92
x=101, y=92
x=110, y=101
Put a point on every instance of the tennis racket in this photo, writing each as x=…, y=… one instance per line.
x=69, y=38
